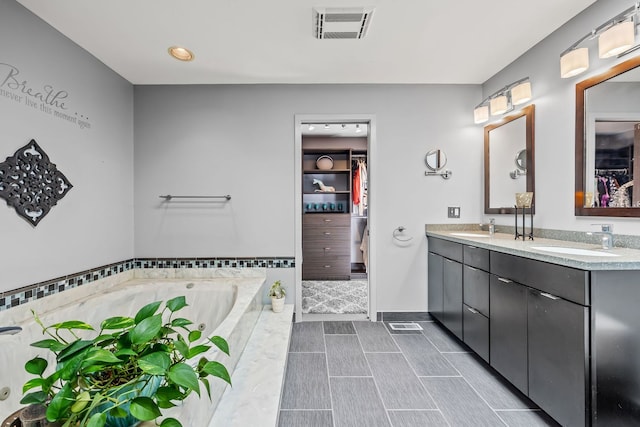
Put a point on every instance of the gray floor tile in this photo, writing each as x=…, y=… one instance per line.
x=307, y=337
x=399, y=331
x=306, y=384
x=440, y=338
x=356, y=403
x=337, y=327
x=305, y=419
x=375, y=337
x=399, y=386
x=527, y=419
x=345, y=356
x=432, y=418
x=425, y=359
x=460, y=405
x=495, y=391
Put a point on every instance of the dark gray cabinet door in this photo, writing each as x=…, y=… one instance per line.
x=476, y=331
x=435, y=285
x=558, y=368
x=452, y=301
x=508, y=330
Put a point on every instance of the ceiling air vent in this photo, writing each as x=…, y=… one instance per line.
x=341, y=23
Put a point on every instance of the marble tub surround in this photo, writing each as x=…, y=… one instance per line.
x=254, y=397
x=625, y=259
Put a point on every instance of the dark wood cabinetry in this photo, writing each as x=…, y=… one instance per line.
x=326, y=246
x=529, y=319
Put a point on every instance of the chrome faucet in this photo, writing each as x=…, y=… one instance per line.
x=10, y=330
x=606, y=235
x=492, y=226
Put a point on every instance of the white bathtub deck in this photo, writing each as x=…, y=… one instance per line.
x=254, y=398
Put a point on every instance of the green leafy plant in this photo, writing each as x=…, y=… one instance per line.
x=134, y=367
x=276, y=290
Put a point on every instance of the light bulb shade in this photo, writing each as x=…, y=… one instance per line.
x=574, y=62
x=499, y=105
x=481, y=114
x=616, y=39
x=521, y=93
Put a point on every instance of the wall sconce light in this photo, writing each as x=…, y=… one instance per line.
x=503, y=100
x=616, y=37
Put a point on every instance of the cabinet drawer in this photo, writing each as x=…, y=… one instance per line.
x=343, y=220
x=325, y=250
x=447, y=249
x=328, y=268
x=476, y=257
x=476, y=289
x=566, y=282
x=476, y=331
x=309, y=234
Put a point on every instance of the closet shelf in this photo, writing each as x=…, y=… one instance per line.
x=325, y=171
x=327, y=192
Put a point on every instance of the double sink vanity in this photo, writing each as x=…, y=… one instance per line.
x=558, y=319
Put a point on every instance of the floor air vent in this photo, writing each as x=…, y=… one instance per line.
x=405, y=326
x=341, y=23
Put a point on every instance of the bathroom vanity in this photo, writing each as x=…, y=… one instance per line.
x=557, y=319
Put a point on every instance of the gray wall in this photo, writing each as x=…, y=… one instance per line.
x=555, y=118
x=240, y=140
x=93, y=224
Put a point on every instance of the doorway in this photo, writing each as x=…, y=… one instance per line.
x=335, y=272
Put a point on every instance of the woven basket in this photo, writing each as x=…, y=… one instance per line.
x=324, y=163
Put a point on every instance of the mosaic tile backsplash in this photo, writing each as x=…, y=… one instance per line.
x=40, y=290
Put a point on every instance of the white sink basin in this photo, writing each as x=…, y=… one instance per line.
x=573, y=251
x=469, y=235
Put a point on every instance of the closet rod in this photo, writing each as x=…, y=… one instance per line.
x=169, y=197
x=359, y=156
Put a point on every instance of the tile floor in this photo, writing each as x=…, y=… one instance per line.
x=359, y=374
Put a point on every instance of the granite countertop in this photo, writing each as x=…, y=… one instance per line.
x=611, y=259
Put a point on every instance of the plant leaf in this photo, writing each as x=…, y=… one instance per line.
x=144, y=409
x=147, y=311
x=99, y=355
x=170, y=422
x=205, y=381
x=50, y=344
x=125, y=352
x=36, y=366
x=72, y=324
x=221, y=343
x=82, y=400
x=73, y=349
x=167, y=393
x=36, y=397
x=59, y=405
x=194, y=336
x=177, y=303
x=182, y=347
x=118, y=412
x=194, y=351
x=155, y=363
x=97, y=420
x=118, y=322
x=217, y=369
x=146, y=330
x=181, y=322
x=32, y=383
x=184, y=376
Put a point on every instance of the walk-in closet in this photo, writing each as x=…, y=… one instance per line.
x=335, y=219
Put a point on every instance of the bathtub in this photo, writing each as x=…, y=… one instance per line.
x=224, y=302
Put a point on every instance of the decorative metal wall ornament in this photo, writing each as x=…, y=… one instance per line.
x=31, y=184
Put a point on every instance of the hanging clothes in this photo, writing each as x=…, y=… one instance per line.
x=362, y=176
x=364, y=247
x=355, y=193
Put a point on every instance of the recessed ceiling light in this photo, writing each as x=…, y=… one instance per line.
x=311, y=127
x=181, y=53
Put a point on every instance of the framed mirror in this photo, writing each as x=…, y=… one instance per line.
x=505, y=143
x=607, y=142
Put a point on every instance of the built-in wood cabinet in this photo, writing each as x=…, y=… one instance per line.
x=528, y=319
x=435, y=277
x=326, y=247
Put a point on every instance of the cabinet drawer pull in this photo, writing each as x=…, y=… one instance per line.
x=546, y=295
x=327, y=220
x=503, y=280
x=448, y=260
x=327, y=249
x=327, y=266
x=473, y=310
x=326, y=233
x=471, y=268
x=472, y=247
